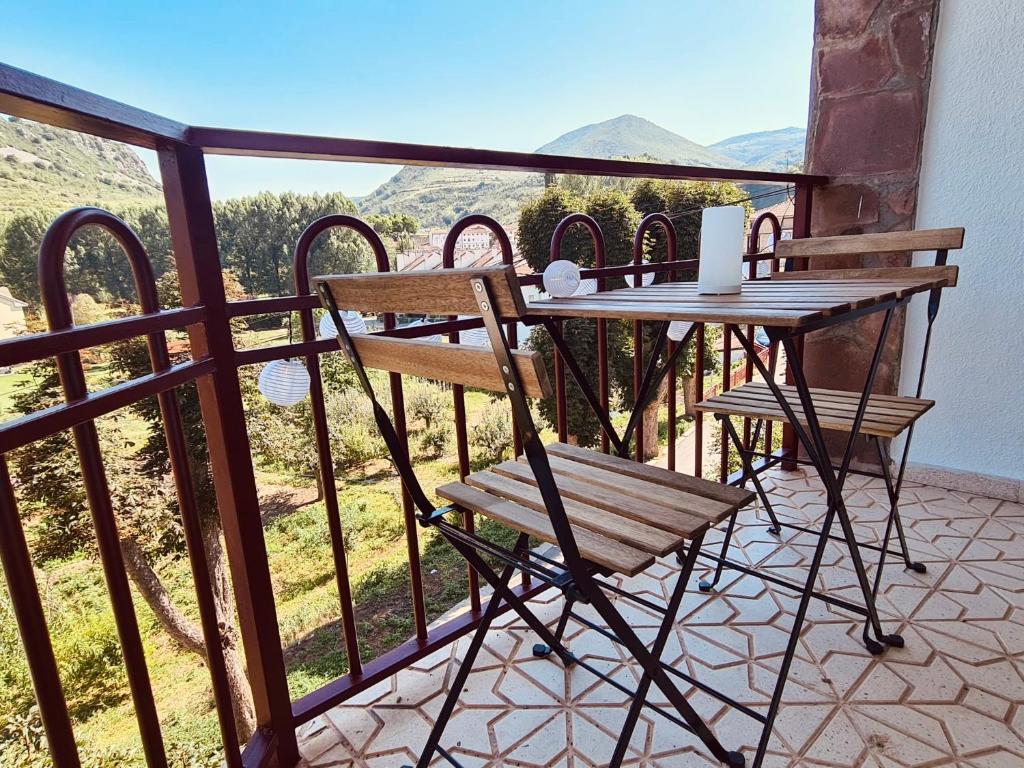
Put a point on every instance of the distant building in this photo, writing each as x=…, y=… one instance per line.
x=784, y=212
x=12, y=314
x=474, y=248
x=472, y=238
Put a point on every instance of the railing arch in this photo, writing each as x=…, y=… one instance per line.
x=597, y=237
x=57, y=307
x=650, y=221
x=325, y=459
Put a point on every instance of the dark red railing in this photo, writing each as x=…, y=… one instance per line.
x=206, y=315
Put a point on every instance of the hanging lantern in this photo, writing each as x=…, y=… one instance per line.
x=678, y=329
x=436, y=337
x=327, y=327
x=645, y=279
x=586, y=287
x=474, y=337
x=284, y=382
x=353, y=321
x=561, y=278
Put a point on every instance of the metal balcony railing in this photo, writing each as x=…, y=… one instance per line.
x=206, y=315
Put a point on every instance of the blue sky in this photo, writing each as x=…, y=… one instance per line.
x=501, y=75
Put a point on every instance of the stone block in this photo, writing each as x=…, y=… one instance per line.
x=867, y=134
x=848, y=68
x=911, y=39
x=843, y=19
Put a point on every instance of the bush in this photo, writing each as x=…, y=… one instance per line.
x=354, y=433
x=435, y=440
x=493, y=434
x=426, y=402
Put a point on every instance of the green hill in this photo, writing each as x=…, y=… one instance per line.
x=632, y=136
x=52, y=169
x=779, y=150
x=439, y=196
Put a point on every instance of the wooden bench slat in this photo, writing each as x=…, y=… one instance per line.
x=951, y=238
x=880, y=404
x=948, y=274
x=638, y=509
x=605, y=552
x=608, y=524
x=886, y=415
x=458, y=363
x=682, y=501
x=432, y=292
x=727, y=494
x=823, y=404
x=842, y=393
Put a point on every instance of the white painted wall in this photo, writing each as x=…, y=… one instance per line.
x=973, y=176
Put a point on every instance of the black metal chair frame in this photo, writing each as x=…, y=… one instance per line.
x=748, y=453
x=579, y=580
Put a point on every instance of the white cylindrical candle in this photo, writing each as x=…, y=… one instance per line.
x=721, y=250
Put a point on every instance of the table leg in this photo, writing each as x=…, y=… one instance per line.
x=813, y=442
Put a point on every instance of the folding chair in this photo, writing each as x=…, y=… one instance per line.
x=607, y=515
x=887, y=416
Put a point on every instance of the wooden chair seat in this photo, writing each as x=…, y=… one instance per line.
x=886, y=415
x=623, y=514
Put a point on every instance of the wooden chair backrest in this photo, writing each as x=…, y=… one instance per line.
x=430, y=292
x=440, y=292
x=470, y=366
x=949, y=239
x=948, y=273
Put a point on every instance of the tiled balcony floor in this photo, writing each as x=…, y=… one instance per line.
x=954, y=696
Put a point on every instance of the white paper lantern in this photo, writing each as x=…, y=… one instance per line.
x=284, y=382
x=678, y=329
x=436, y=337
x=474, y=337
x=561, y=278
x=327, y=327
x=587, y=287
x=645, y=279
x=721, y=250
x=354, y=322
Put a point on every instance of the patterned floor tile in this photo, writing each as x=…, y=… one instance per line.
x=952, y=697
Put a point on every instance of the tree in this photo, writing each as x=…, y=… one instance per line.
x=19, y=253
x=94, y=263
x=396, y=228
x=49, y=477
x=150, y=527
x=258, y=234
x=617, y=219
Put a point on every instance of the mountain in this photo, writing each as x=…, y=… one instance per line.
x=439, y=196
x=778, y=150
x=632, y=136
x=51, y=168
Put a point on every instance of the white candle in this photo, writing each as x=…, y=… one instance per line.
x=721, y=250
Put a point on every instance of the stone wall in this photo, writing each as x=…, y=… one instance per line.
x=869, y=95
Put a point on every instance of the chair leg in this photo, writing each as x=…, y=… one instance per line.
x=653, y=669
x=459, y=681
x=514, y=602
x=775, y=528
x=657, y=649
x=541, y=650
x=705, y=585
x=748, y=472
x=894, y=511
